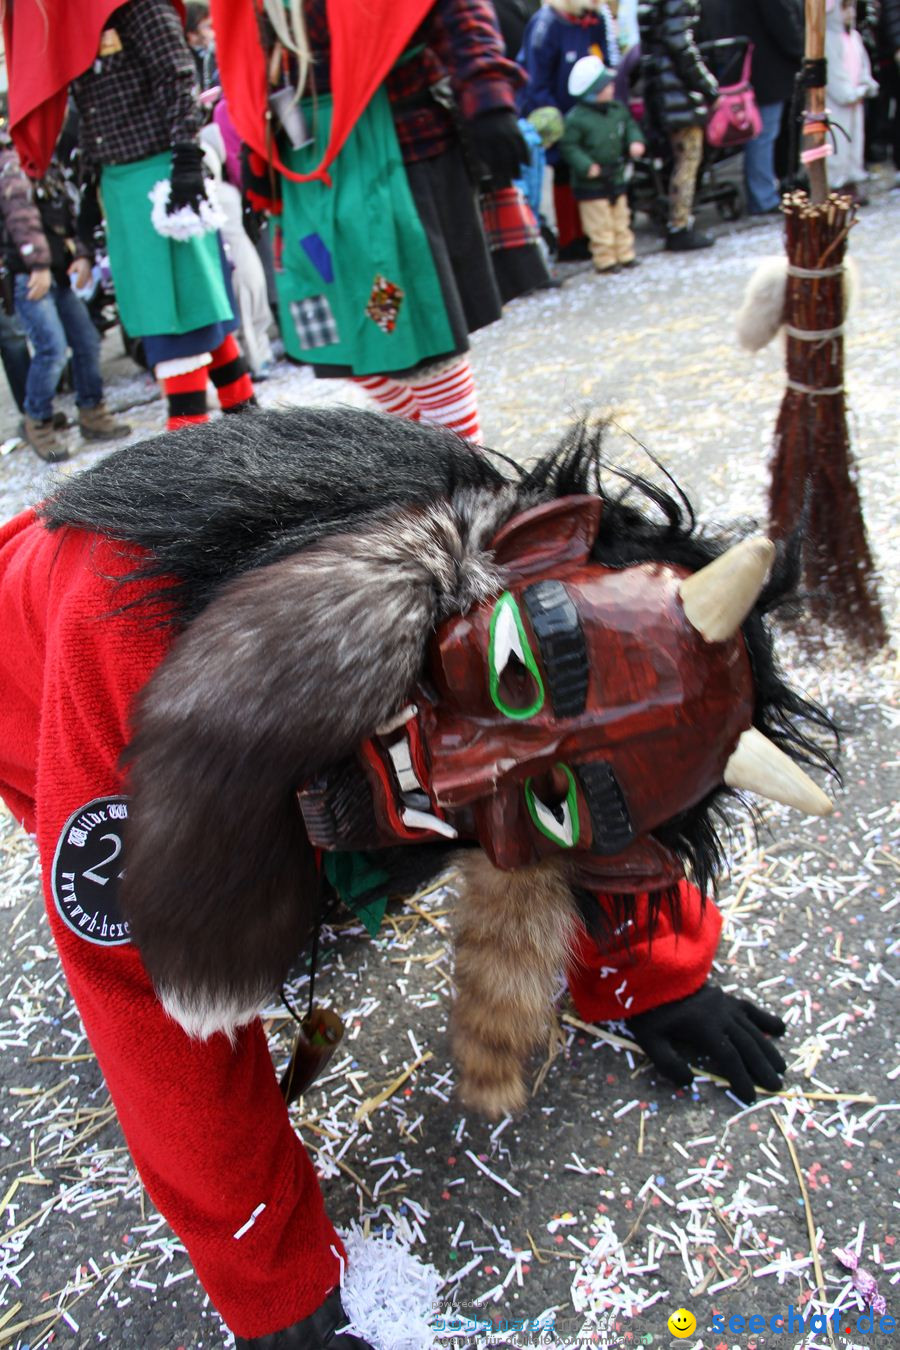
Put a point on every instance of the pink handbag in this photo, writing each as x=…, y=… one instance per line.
x=735, y=118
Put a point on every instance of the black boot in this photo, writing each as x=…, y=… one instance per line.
x=319, y=1331
x=687, y=239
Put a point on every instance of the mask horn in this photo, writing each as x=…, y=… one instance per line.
x=759, y=766
x=718, y=598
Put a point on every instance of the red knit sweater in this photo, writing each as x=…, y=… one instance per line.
x=205, y=1123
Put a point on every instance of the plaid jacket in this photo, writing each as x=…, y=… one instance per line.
x=142, y=97
x=23, y=230
x=461, y=43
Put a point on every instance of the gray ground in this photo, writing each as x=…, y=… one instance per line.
x=612, y=1200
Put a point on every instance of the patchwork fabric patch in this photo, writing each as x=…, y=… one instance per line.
x=314, y=321
x=87, y=868
x=384, y=304
x=316, y=250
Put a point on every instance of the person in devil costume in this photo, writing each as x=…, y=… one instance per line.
x=332, y=629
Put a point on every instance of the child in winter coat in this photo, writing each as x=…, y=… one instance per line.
x=600, y=138
x=850, y=83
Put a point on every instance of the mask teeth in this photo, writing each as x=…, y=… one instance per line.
x=398, y=720
x=424, y=820
x=401, y=759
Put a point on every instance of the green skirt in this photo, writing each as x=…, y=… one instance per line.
x=358, y=287
x=162, y=285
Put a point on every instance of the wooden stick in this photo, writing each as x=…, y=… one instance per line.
x=815, y=100
x=810, y=1222
x=372, y=1103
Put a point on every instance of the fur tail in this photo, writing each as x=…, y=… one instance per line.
x=762, y=310
x=514, y=932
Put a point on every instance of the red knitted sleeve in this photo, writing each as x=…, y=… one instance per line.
x=635, y=971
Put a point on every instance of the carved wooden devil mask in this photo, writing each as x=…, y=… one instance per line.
x=573, y=713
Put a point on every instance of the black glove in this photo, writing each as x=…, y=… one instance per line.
x=316, y=1332
x=186, y=177
x=495, y=140
x=727, y=1030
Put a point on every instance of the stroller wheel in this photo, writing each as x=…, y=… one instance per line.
x=729, y=206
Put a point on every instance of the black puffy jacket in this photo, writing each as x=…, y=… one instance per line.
x=889, y=29
x=775, y=27
x=678, y=88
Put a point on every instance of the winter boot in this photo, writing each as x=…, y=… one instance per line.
x=319, y=1331
x=98, y=424
x=687, y=239
x=42, y=438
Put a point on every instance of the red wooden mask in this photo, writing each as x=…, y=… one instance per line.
x=574, y=713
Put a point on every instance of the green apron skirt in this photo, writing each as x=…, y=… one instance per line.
x=358, y=287
x=162, y=285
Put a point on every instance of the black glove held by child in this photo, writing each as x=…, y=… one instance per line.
x=497, y=142
x=730, y=1032
x=319, y=1331
x=186, y=177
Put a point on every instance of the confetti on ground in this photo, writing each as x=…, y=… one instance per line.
x=613, y=1199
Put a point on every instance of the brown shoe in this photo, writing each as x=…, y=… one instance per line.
x=45, y=443
x=98, y=424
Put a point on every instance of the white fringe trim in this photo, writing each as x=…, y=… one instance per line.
x=181, y=365
x=390, y=1296
x=184, y=223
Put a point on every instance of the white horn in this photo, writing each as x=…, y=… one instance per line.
x=759, y=766
x=718, y=598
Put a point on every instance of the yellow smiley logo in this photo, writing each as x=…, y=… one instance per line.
x=682, y=1323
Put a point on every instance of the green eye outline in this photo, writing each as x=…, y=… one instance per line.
x=505, y=611
x=547, y=824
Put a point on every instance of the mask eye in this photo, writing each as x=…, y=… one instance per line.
x=515, y=681
x=553, y=805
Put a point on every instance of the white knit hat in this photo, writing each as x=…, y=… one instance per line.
x=588, y=76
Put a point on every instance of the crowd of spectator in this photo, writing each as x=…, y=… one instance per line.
x=559, y=163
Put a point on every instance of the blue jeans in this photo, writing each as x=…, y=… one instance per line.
x=14, y=355
x=52, y=325
x=759, y=160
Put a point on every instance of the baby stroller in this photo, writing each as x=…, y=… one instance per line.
x=649, y=188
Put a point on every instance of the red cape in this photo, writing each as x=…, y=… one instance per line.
x=49, y=43
x=367, y=36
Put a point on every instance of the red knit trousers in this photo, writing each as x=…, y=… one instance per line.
x=231, y=376
x=186, y=396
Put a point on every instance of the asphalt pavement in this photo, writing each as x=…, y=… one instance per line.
x=613, y=1200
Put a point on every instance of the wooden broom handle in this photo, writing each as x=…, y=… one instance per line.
x=817, y=137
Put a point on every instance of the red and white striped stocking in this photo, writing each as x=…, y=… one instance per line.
x=448, y=398
x=390, y=396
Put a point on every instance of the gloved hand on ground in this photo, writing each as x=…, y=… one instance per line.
x=731, y=1033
